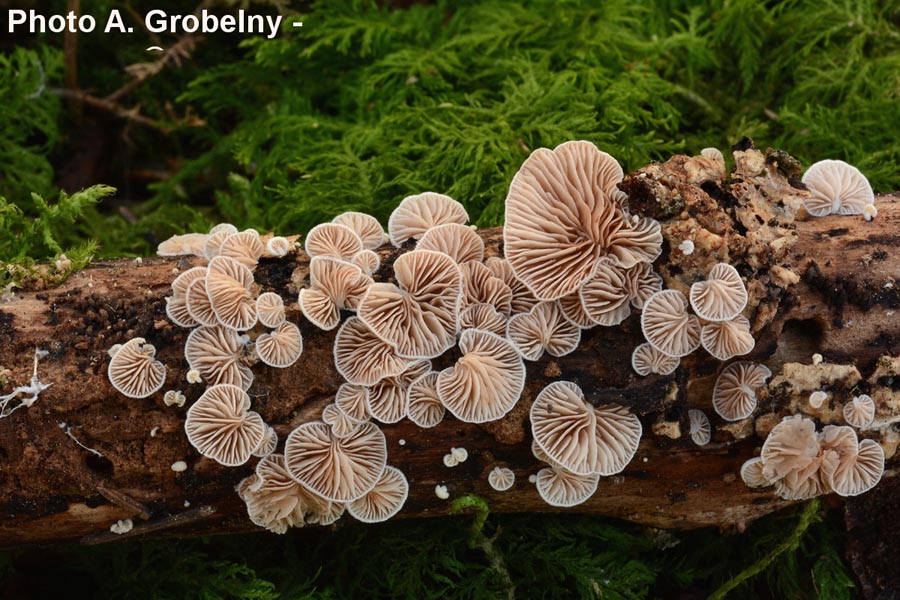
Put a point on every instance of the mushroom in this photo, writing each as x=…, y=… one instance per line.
x=229, y=285
x=700, y=430
x=221, y=426
x=792, y=447
x=424, y=406
x=581, y=438
x=334, y=240
x=134, y=370
x=482, y=316
x=419, y=318
x=752, y=473
x=817, y=399
x=544, y=328
x=480, y=286
x=501, y=478
x=269, y=443
x=386, y=400
x=522, y=298
x=368, y=261
x=858, y=472
x=270, y=309
x=182, y=245
x=174, y=398
x=641, y=282
x=244, y=247
x=278, y=246
x=727, y=339
x=562, y=216
x=217, y=354
x=668, y=325
x=456, y=241
x=361, y=357
x=734, y=395
x=722, y=296
x=384, y=500
x=860, y=412
x=335, y=285
x=573, y=310
x=215, y=239
x=417, y=214
x=559, y=487
x=836, y=188
x=282, y=347
x=604, y=296
x=198, y=304
x=486, y=382
x=176, y=304
x=352, y=400
x=341, y=424
x=365, y=226
x=646, y=359
x=337, y=469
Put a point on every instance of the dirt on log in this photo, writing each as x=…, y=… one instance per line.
x=84, y=456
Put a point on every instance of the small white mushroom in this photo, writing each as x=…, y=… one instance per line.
x=174, y=398
x=450, y=460
x=441, y=492
x=860, y=412
x=817, y=399
x=122, y=526
x=460, y=454
x=193, y=376
x=501, y=478
x=686, y=247
x=179, y=466
x=870, y=211
x=701, y=432
x=817, y=359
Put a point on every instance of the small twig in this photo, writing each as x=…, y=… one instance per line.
x=74, y=439
x=130, y=114
x=142, y=72
x=176, y=520
x=125, y=501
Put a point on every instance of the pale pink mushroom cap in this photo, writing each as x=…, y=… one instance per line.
x=722, y=296
x=352, y=400
x=668, y=325
x=269, y=443
x=424, y=406
x=501, y=478
x=177, y=308
x=386, y=399
x=361, y=357
x=752, y=473
x=134, y=370
x=198, y=304
x=734, y=395
x=481, y=286
x=215, y=239
x=217, y=353
x=486, y=382
x=244, y=247
x=417, y=214
x=281, y=347
x=522, y=298
x=270, y=309
x=573, y=310
x=727, y=339
x=337, y=469
x=182, y=245
x=365, y=226
x=836, y=188
x=641, y=282
x=545, y=328
x=646, y=359
x=221, y=426
x=700, y=429
x=562, y=488
x=858, y=473
x=341, y=424
x=229, y=285
x=860, y=411
x=604, y=296
x=368, y=261
x=335, y=285
x=457, y=241
x=384, y=500
x=791, y=447
x=482, y=316
x=334, y=240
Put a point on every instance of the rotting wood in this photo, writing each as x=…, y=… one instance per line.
x=817, y=285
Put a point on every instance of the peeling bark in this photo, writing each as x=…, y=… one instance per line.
x=816, y=285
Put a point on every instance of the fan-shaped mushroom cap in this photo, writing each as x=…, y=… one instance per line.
x=562, y=216
x=186, y=278
x=334, y=240
x=424, y=406
x=574, y=312
x=417, y=214
x=384, y=500
x=335, y=285
x=353, y=401
x=270, y=309
x=282, y=347
x=269, y=443
x=559, y=487
x=701, y=431
x=229, y=285
x=791, y=447
x=860, y=412
x=365, y=226
x=501, y=478
x=337, y=469
x=221, y=426
x=818, y=398
x=857, y=473
x=522, y=298
x=368, y=261
x=134, y=370
x=419, y=318
x=727, y=339
x=582, y=438
x=646, y=359
x=244, y=247
x=215, y=239
x=734, y=395
x=752, y=473
x=361, y=357
x=641, y=282
x=480, y=286
x=544, y=328
x=223, y=228
x=668, y=325
x=482, y=316
x=177, y=304
x=278, y=246
x=341, y=424
x=182, y=245
x=216, y=353
x=722, y=296
x=387, y=398
x=713, y=154
x=275, y=501
x=836, y=188
x=456, y=241
x=198, y=304
x=486, y=382
x=604, y=296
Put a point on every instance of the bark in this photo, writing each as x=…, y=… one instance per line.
x=84, y=456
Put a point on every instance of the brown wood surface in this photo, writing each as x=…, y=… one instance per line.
x=841, y=305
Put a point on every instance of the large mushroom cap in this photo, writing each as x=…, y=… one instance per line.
x=335, y=285
x=727, y=339
x=860, y=411
x=384, y=500
x=217, y=353
x=221, y=426
x=417, y=214
x=646, y=359
x=668, y=325
x=486, y=382
x=361, y=357
x=836, y=188
x=229, y=285
x=181, y=245
x=419, y=318
x=734, y=395
x=559, y=487
x=365, y=226
x=424, y=406
x=457, y=241
x=337, y=469
x=281, y=347
x=334, y=240
x=545, y=328
x=562, y=216
x=791, y=447
x=722, y=296
x=134, y=371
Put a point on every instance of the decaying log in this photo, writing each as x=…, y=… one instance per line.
x=84, y=456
